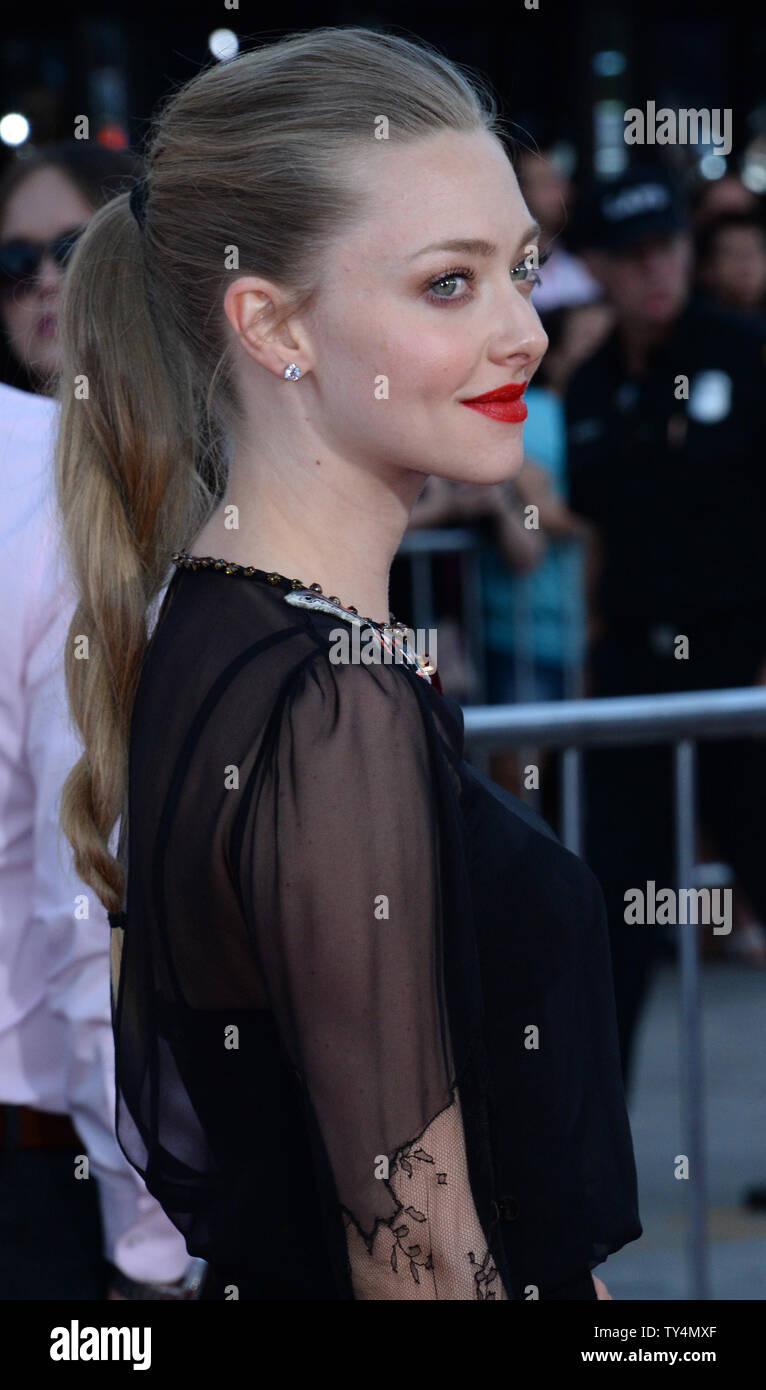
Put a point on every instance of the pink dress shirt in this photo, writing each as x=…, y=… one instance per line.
x=56, y=1042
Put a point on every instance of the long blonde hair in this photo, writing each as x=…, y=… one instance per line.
x=254, y=154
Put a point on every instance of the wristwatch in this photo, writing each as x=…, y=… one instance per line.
x=187, y=1287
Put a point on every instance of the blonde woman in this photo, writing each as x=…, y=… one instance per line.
x=365, y=1033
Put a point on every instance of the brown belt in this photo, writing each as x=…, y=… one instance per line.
x=23, y=1127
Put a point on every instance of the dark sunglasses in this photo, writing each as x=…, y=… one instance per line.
x=20, y=259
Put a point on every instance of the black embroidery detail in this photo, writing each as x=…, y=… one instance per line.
x=485, y=1272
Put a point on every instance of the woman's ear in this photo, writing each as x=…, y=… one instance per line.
x=255, y=308
x=249, y=306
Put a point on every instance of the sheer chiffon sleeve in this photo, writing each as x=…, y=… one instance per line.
x=336, y=852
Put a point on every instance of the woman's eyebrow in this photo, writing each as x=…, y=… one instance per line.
x=477, y=246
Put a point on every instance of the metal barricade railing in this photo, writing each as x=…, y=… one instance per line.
x=420, y=546
x=680, y=719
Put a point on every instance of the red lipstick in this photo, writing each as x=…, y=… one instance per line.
x=504, y=403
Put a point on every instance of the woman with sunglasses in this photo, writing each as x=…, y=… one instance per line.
x=366, y=1043
x=46, y=201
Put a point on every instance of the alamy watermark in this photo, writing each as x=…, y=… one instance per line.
x=367, y=646
x=88, y=1343
x=687, y=126
x=674, y=906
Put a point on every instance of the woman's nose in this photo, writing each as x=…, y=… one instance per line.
x=535, y=339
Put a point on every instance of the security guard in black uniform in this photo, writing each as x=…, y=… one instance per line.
x=666, y=432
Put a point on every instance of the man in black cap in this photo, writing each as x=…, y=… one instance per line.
x=666, y=426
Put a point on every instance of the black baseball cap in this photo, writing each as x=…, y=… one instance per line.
x=616, y=213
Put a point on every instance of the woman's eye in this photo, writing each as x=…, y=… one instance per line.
x=530, y=274
x=460, y=273
x=520, y=274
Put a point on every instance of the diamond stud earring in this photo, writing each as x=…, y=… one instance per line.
x=292, y=372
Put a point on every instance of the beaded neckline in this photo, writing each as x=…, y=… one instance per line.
x=187, y=561
x=311, y=596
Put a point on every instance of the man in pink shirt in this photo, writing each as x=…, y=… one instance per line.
x=64, y=1235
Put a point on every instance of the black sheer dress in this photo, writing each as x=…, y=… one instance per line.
x=365, y=1033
